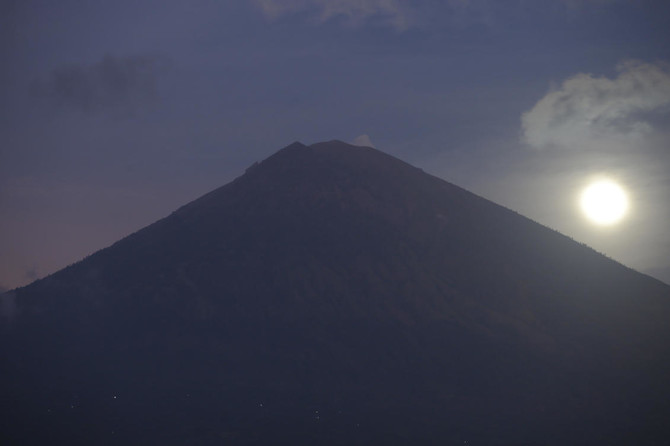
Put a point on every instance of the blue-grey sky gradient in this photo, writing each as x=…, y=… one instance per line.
x=116, y=113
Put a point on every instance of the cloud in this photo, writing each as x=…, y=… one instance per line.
x=402, y=14
x=393, y=13
x=588, y=110
x=121, y=84
x=363, y=141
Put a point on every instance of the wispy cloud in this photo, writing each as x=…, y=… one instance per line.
x=394, y=13
x=587, y=110
x=363, y=141
x=402, y=15
x=114, y=83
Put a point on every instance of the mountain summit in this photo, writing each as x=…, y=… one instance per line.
x=334, y=294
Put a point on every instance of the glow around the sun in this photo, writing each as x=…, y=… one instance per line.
x=604, y=202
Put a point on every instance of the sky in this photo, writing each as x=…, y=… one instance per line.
x=114, y=114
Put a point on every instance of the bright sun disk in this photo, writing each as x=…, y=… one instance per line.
x=604, y=202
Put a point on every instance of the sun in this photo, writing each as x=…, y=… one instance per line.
x=604, y=202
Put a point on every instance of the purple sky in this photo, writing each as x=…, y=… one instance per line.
x=113, y=114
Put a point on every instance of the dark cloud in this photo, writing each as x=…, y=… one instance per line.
x=118, y=84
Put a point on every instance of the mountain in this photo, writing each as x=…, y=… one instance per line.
x=336, y=295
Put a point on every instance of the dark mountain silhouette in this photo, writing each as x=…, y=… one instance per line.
x=336, y=295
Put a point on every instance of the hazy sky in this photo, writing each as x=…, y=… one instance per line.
x=115, y=113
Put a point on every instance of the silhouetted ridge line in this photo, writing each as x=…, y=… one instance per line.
x=333, y=294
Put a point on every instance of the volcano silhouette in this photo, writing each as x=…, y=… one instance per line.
x=336, y=295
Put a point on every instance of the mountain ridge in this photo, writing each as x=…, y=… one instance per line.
x=339, y=277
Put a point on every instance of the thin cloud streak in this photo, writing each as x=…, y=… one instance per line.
x=354, y=12
x=403, y=15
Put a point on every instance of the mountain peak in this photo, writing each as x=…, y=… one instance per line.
x=339, y=279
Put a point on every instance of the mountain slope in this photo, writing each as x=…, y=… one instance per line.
x=334, y=294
